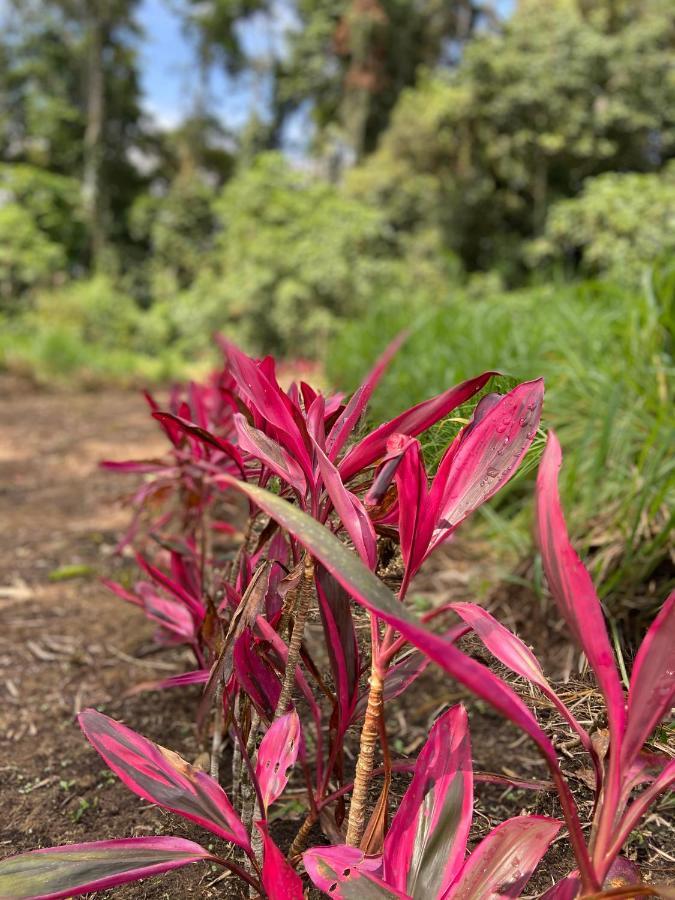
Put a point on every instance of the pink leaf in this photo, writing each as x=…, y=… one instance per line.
x=349, y=509
x=652, y=683
x=163, y=777
x=139, y=466
x=258, y=386
x=255, y=677
x=371, y=593
x=573, y=589
x=192, y=603
x=374, y=595
x=508, y=648
x=503, y=862
x=345, y=873
x=416, y=517
x=341, y=643
x=271, y=454
x=486, y=454
x=280, y=880
x=121, y=592
x=75, y=869
x=412, y=422
x=567, y=889
x=168, y=613
x=425, y=846
x=277, y=754
x=198, y=676
x=514, y=654
x=353, y=411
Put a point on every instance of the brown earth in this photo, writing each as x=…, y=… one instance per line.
x=68, y=644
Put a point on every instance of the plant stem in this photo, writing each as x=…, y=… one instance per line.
x=217, y=731
x=366, y=758
x=299, y=618
x=300, y=839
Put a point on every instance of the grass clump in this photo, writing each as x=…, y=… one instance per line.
x=606, y=353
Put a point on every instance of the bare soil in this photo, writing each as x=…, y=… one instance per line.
x=67, y=644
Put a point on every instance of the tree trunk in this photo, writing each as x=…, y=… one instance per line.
x=92, y=187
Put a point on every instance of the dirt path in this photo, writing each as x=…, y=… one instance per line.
x=66, y=645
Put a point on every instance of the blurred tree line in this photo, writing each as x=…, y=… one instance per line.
x=445, y=143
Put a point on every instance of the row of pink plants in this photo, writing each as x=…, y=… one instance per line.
x=320, y=497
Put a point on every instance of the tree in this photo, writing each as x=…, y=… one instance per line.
x=352, y=59
x=528, y=114
x=73, y=102
x=619, y=224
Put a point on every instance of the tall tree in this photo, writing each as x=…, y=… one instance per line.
x=352, y=59
x=74, y=101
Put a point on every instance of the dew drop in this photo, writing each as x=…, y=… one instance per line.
x=492, y=472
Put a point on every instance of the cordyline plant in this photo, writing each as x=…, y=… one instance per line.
x=318, y=502
x=624, y=766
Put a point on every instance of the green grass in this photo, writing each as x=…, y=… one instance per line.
x=606, y=355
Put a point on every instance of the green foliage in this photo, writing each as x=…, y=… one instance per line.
x=41, y=228
x=527, y=115
x=606, y=354
x=52, y=202
x=89, y=330
x=177, y=228
x=293, y=255
x=352, y=60
x=27, y=256
x=620, y=224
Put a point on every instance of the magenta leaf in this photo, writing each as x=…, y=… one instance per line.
x=513, y=653
x=374, y=595
x=341, y=642
x=417, y=515
x=425, y=845
x=567, y=889
x=279, y=878
x=277, y=754
x=255, y=677
x=621, y=872
x=192, y=603
x=371, y=593
x=197, y=676
x=121, y=592
x=345, y=873
x=503, y=862
x=502, y=643
x=163, y=777
x=412, y=422
x=652, y=683
x=486, y=454
x=258, y=386
x=74, y=869
x=573, y=589
x=349, y=509
x=352, y=412
x=172, y=616
x=271, y=454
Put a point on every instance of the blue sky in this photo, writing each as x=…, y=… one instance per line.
x=168, y=63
